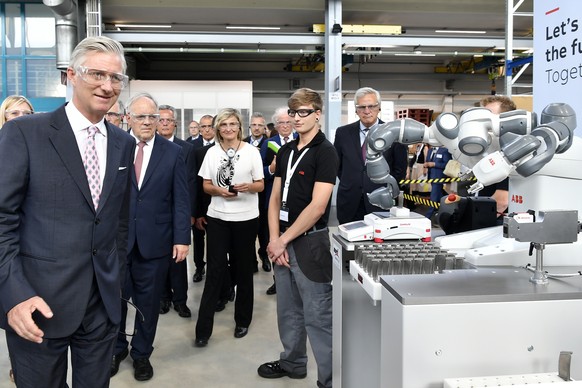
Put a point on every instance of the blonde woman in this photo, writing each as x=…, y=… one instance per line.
x=232, y=171
x=13, y=107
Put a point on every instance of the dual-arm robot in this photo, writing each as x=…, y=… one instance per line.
x=491, y=145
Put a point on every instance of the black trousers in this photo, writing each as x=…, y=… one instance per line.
x=234, y=243
x=198, y=242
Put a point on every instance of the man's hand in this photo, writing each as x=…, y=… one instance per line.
x=20, y=318
x=179, y=252
x=277, y=252
x=201, y=223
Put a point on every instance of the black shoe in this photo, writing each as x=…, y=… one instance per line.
x=272, y=290
x=240, y=331
x=117, y=360
x=183, y=310
x=165, y=306
x=273, y=370
x=232, y=295
x=220, y=305
x=143, y=369
x=198, y=275
x=266, y=264
x=200, y=342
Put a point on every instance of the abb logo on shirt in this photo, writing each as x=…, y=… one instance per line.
x=516, y=199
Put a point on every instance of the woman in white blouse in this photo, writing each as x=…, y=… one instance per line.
x=232, y=171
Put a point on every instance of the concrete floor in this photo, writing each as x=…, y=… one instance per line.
x=226, y=361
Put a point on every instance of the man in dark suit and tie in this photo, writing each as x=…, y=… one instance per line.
x=352, y=201
x=257, y=137
x=159, y=230
x=176, y=287
x=206, y=138
x=436, y=161
x=64, y=224
x=194, y=130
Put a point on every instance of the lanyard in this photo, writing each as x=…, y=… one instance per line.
x=290, y=171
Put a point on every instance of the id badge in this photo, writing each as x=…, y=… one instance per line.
x=284, y=214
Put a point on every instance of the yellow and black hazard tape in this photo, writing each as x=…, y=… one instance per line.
x=422, y=201
x=435, y=180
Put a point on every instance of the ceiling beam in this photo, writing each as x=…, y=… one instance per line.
x=188, y=38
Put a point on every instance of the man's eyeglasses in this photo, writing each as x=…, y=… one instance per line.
x=17, y=112
x=300, y=112
x=99, y=77
x=362, y=108
x=206, y=126
x=114, y=114
x=229, y=125
x=166, y=121
x=257, y=125
x=141, y=118
x=284, y=123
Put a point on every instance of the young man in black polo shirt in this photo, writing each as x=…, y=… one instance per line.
x=299, y=243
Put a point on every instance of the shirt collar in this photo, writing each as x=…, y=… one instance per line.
x=149, y=142
x=79, y=122
x=363, y=127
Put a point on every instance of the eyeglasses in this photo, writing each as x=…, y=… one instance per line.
x=140, y=118
x=362, y=108
x=229, y=125
x=257, y=125
x=114, y=114
x=284, y=123
x=300, y=112
x=206, y=126
x=100, y=77
x=17, y=112
x=166, y=121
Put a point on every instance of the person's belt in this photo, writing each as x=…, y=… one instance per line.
x=309, y=231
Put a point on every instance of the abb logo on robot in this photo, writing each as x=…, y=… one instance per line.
x=516, y=199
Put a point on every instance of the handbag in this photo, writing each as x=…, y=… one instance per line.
x=452, y=169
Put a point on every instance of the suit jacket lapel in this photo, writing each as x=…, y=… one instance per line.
x=64, y=142
x=113, y=163
x=355, y=140
x=157, y=155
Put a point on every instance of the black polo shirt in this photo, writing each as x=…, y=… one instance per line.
x=320, y=164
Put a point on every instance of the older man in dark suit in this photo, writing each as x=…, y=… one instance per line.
x=63, y=227
x=159, y=230
x=176, y=287
x=354, y=185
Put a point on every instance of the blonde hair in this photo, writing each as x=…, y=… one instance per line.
x=8, y=103
x=223, y=115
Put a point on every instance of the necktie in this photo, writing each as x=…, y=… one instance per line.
x=365, y=130
x=285, y=140
x=91, y=164
x=139, y=160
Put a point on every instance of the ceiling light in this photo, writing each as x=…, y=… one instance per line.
x=143, y=26
x=460, y=31
x=414, y=54
x=252, y=28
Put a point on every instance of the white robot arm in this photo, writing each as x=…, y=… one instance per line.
x=491, y=145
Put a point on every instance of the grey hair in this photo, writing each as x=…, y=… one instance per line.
x=258, y=115
x=138, y=96
x=168, y=107
x=100, y=44
x=278, y=112
x=361, y=92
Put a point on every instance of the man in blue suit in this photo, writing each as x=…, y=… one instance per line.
x=436, y=161
x=176, y=288
x=63, y=231
x=354, y=185
x=159, y=230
